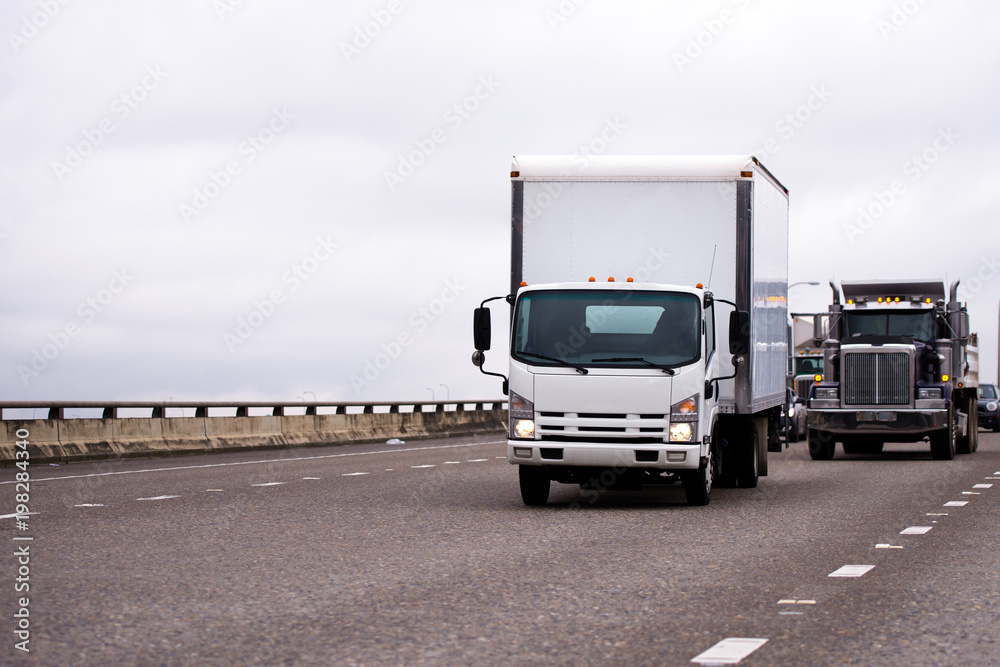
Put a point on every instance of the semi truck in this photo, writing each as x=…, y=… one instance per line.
x=806, y=358
x=648, y=314
x=899, y=365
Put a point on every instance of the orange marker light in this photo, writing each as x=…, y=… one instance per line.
x=611, y=279
x=629, y=279
x=700, y=286
x=592, y=279
x=524, y=284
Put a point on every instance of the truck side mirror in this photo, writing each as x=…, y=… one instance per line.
x=481, y=328
x=739, y=332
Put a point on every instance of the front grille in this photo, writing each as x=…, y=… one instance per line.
x=611, y=428
x=877, y=378
x=803, y=384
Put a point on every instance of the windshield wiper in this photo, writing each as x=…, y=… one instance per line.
x=665, y=369
x=579, y=369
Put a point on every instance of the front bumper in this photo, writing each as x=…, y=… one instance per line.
x=989, y=419
x=679, y=456
x=876, y=421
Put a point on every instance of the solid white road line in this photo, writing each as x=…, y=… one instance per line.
x=268, y=462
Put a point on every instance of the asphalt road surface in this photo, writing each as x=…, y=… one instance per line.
x=423, y=553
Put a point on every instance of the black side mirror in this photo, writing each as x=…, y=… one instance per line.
x=481, y=328
x=739, y=332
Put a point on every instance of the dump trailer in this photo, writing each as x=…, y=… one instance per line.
x=899, y=365
x=648, y=320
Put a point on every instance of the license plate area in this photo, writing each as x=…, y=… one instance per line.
x=876, y=416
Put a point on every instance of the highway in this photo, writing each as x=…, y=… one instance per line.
x=423, y=553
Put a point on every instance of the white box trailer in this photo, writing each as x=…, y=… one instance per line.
x=648, y=325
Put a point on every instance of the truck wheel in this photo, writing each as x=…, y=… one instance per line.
x=965, y=444
x=534, y=485
x=747, y=457
x=822, y=446
x=943, y=440
x=698, y=485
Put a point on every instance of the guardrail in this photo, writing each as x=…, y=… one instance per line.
x=118, y=429
x=112, y=409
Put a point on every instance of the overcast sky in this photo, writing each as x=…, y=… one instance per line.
x=245, y=199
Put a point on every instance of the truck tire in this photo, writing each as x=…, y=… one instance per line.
x=747, y=456
x=698, y=485
x=534, y=485
x=943, y=440
x=822, y=446
x=969, y=442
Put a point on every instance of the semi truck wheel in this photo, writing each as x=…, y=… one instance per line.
x=822, y=446
x=968, y=443
x=534, y=485
x=943, y=440
x=698, y=485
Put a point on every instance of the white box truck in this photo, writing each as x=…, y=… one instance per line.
x=648, y=340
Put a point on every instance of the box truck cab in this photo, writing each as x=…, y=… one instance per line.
x=647, y=322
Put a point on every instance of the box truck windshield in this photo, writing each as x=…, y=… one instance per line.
x=918, y=326
x=607, y=328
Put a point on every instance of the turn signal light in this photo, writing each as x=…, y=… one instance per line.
x=818, y=378
x=945, y=377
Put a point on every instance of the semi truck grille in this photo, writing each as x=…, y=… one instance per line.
x=877, y=378
x=803, y=384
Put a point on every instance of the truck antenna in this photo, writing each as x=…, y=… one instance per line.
x=711, y=269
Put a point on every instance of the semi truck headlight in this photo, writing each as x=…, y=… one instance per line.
x=681, y=432
x=524, y=429
x=933, y=392
x=522, y=417
x=827, y=392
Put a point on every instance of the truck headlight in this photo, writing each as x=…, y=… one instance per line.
x=684, y=420
x=524, y=429
x=932, y=392
x=521, y=412
x=681, y=432
x=827, y=392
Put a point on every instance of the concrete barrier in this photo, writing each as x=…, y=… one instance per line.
x=62, y=440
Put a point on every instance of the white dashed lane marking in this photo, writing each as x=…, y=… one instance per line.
x=729, y=651
x=916, y=530
x=158, y=498
x=268, y=484
x=354, y=474
x=982, y=486
x=851, y=571
x=956, y=503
